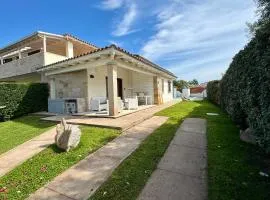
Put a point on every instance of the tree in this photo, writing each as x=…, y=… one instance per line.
x=180, y=84
x=264, y=17
x=193, y=82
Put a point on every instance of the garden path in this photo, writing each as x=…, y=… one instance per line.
x=182, y=172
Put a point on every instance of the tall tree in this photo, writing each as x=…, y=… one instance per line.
x=180, y=84
x=194, y=82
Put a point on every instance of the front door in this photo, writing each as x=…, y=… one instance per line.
x=119, y=87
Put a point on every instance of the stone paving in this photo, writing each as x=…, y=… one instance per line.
x=14, y=157
x=122, y=123
x=84, y=178
x=182, y=172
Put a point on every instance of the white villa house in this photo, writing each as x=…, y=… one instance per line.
x=83, y=77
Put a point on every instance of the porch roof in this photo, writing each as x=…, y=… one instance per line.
x=99, y=50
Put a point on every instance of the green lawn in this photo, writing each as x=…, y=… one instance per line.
x=234, y=166
x=37, y=171
x=20, y=130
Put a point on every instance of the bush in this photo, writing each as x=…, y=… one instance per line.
x=213, y=91
x=21, y=99
x=245, y=88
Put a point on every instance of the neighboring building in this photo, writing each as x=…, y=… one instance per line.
x=199, y=91
x=78, y=71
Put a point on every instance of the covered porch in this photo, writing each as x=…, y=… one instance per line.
x=105, y=83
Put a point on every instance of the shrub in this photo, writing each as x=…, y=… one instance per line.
x=21, y=99
x=213, y=91
x=245, y=88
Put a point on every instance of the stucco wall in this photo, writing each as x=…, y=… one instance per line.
x=97, y=85
x=28, y=64
x=26, y=78
x=22, y=66
x=70, y=85
x=52, y=58
x=202, y=94
x=167, y=96
x=143, y=83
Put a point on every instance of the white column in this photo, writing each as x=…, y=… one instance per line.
x=44, y=44
x=88, y=106
x=69, y=49
x=1, y=61
x=19, y=53
x=112, y=88
x=52, y=89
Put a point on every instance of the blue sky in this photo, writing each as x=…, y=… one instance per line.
x=192, y=38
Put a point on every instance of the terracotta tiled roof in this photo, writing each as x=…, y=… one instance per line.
x=198, y=89
x=140, y=58
x=76, y=38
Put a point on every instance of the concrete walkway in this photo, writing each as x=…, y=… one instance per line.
x=181, y=173
x=14, y=157
x=84, y=178
x=122, y=123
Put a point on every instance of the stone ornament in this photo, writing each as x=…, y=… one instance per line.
x=67, y=135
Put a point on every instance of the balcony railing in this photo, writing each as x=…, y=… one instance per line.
x=28, y=64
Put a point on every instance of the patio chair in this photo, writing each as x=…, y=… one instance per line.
x=99, y=103
x=141, y=98
x=131, y=103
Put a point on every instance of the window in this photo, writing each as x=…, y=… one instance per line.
x=33, y=52
x=7, y=60
x=162, y=84
x=169, y=86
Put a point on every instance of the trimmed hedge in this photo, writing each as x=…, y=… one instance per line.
x=213, y=91
x=245, y=88
x=21, y=99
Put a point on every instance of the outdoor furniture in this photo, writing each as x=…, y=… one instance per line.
x=99, y=103
x=131, y=103
x=120, y=104
x=144, y=99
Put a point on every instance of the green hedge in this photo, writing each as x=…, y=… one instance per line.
x=21, y=99
x=245, y=88
x=213, y=91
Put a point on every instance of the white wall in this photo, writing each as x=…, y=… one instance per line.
x=97, y=85
x=202, y=94
x=142, y=83
x=167, y=96
x=52, y=58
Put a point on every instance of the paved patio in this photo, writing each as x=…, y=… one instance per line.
x=182, y=172
x=122, y=123
x=83, y=179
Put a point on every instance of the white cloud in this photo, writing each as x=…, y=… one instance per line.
x=194, y=36
x=124, y=26
x=111, y=4
x=128, y=14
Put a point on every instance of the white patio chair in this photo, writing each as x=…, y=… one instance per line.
x=99, y=103
x=131, y=103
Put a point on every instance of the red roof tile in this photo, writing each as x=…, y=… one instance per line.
x=198, y=89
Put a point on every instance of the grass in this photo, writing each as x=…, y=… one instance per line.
x=20, y=130
x=37, y=171
x=130, y=177
x=233, y=166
